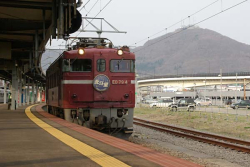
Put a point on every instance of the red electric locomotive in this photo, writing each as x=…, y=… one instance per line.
x=93, y=84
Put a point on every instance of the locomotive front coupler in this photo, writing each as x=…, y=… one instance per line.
x=101, y=120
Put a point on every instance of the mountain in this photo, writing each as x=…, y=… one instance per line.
x=192, y=51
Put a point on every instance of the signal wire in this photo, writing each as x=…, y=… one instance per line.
x=177, y=22
x=194, y=24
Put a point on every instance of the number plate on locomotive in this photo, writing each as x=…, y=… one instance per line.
x=119, y=82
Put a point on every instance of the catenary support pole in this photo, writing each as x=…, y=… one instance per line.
x=14, y=87
x=28, y=91
x=24, y=90
x=20, y=87
x=37, y=92
x=4, y=93
x=33, y=92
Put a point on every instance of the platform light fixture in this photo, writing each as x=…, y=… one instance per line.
x=81, y=51
x=119, y=52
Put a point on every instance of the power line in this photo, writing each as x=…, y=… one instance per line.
x=79, y=11
x=84, y=5
x=177, y=22
x=194, y=24
x=55, y=51
x=49, y=63
x=203, y=8
x=85, y=10
x=92, y=7
x=98, y=13
x=95, y=16
x=48, y=58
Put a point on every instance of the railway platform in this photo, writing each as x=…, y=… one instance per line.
x=30, y=136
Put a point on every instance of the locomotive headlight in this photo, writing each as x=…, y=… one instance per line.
x=120, y=52
x=81, y=51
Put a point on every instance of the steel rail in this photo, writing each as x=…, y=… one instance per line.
x=228, y=139
x=188, y=134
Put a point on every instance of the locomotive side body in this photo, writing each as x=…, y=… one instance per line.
x=96, y=89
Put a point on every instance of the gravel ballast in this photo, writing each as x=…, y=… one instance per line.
x=202, y=153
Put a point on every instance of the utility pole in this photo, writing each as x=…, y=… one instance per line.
x=220, y=86
x=194, y=90
x=244, y=88
x=208, y=65
x=205, y=88
x=236, y=88
x=154, y=71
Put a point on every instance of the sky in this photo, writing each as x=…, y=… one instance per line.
x=143, y=18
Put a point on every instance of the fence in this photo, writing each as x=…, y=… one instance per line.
x=223, y=112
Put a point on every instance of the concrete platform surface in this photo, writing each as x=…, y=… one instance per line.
x=32, y=137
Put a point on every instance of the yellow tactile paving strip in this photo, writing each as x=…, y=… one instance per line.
x=95, y=155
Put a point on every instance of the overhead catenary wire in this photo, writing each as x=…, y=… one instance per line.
x=87, y=13
x=55, y=51
x=79, y=11
x=48, y=58
x=84, y=5
x=95, y=16
x=188, y=17
x=98, y=13
x=175, y=33
x=46, y=64
x=92, y=7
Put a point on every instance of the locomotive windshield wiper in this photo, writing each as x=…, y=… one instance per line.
x=118, y=64
x=71, y=62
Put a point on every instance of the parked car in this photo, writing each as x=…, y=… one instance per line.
x=203, y=102
x=161, y=103
x=184, y=103
x=228, y=102
x=149, y=101
x=241, y=104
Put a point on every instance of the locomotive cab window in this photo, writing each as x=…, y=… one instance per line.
x=81, y=65
x=122, y=66
x=101, y=65
x=66, y=65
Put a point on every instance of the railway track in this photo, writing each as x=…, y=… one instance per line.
x=227, y=142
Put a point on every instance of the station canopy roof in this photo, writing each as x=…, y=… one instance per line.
x=20, y=21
